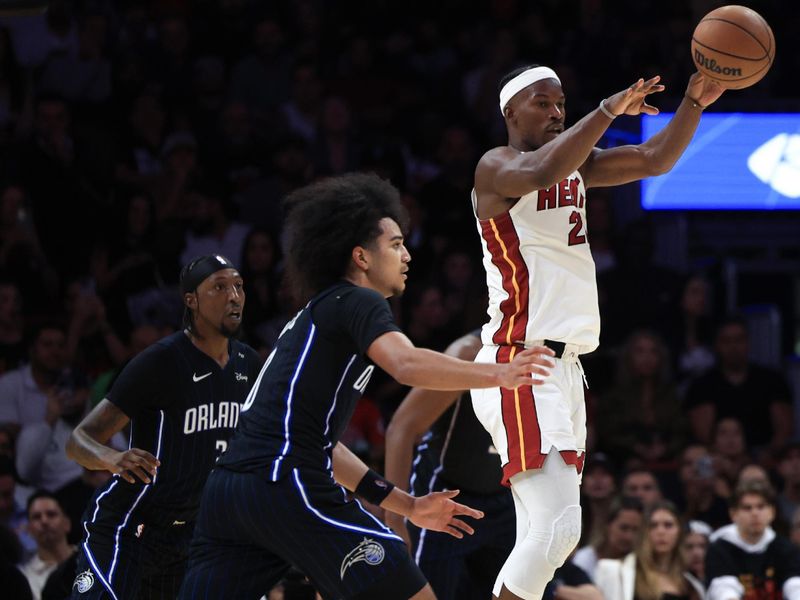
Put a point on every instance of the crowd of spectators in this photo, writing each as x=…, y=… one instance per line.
x=135, y=135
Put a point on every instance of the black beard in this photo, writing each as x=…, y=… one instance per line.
x=230, y=333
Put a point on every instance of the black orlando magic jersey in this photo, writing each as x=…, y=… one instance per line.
x=457, y=453
x=306, y=392
x=183, y=408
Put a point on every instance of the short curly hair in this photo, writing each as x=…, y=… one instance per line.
x=327, y=219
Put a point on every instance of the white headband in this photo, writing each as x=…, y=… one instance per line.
x=522, y=81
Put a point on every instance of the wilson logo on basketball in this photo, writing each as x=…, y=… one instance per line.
x=711, y=65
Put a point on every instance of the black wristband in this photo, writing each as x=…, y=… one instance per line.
x=374, y=488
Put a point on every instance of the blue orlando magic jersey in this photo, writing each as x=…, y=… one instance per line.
x=183, y=408
x=308, y=388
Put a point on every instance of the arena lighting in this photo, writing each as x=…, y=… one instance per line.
x=736, y=161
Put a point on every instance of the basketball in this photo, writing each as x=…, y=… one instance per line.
x=733, y=45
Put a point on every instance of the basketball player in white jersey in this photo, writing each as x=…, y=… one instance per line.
x=530, y=202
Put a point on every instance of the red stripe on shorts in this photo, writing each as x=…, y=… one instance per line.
x=571, y=457
x=521, y=424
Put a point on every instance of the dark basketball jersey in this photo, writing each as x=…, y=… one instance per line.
x=457, y=453
x=183, y=408
x=306, y=392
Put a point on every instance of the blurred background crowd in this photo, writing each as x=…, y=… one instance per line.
x=135, y=135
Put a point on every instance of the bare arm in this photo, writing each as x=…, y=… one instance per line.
x=659, y=154
x=88, y=447
x=505, y=173
x=436, y=511
x=419, y=367
x=415, y=415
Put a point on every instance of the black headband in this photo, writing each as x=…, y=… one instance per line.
x=198, y=269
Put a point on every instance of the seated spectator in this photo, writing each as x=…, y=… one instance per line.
x=794, y=531
x=737, y=387
x=729, y=453
x=14, y=583
x=699, y=499
x=41, y=459
x=746, y=559
x=49, y=526
x=22, y=259
x=211, y=228
x=598, y=490
x=128, y=260
x=753, y=472
x=60, y=582
x=641, y=418
x=788, y=468
x=637, y=292
x=570, y=581
x=92, y=343
x=642, y=484
x=689, y=336
x=427, y=322
x=656, y=570
x=619, y=539
x=259, y=269
x=24, y=391
x=12, y=325
x=463, y=285
x=84, y=76
x=12, y=509
x=695, y=545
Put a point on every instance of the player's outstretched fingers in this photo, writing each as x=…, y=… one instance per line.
x=151, y=461
x=461, y=526
x=140, y=474
x=648, y=109
x=126, y=476
x=450, y=530
x=462, y=509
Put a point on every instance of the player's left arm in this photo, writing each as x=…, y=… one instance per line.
x=436, y=511
x=656, y=156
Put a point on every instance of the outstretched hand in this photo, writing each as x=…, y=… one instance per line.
x=438, y=512
x=703, y=90
x=531, y=361
x=631, y=100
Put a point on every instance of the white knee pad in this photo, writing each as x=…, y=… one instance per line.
x=565, y=535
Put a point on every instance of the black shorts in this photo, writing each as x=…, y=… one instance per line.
x=250, y=530
x=122, y=559
x=466, y=569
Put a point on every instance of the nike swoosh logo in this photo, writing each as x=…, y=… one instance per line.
x=195, y=378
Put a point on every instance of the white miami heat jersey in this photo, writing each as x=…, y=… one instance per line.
x=539, y=270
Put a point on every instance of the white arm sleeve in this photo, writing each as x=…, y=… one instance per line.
x=791, y=588
x=725, y=588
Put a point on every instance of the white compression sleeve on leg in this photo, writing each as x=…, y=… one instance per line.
x=548, y=499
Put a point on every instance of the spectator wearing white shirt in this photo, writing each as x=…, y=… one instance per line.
x=24, y=391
